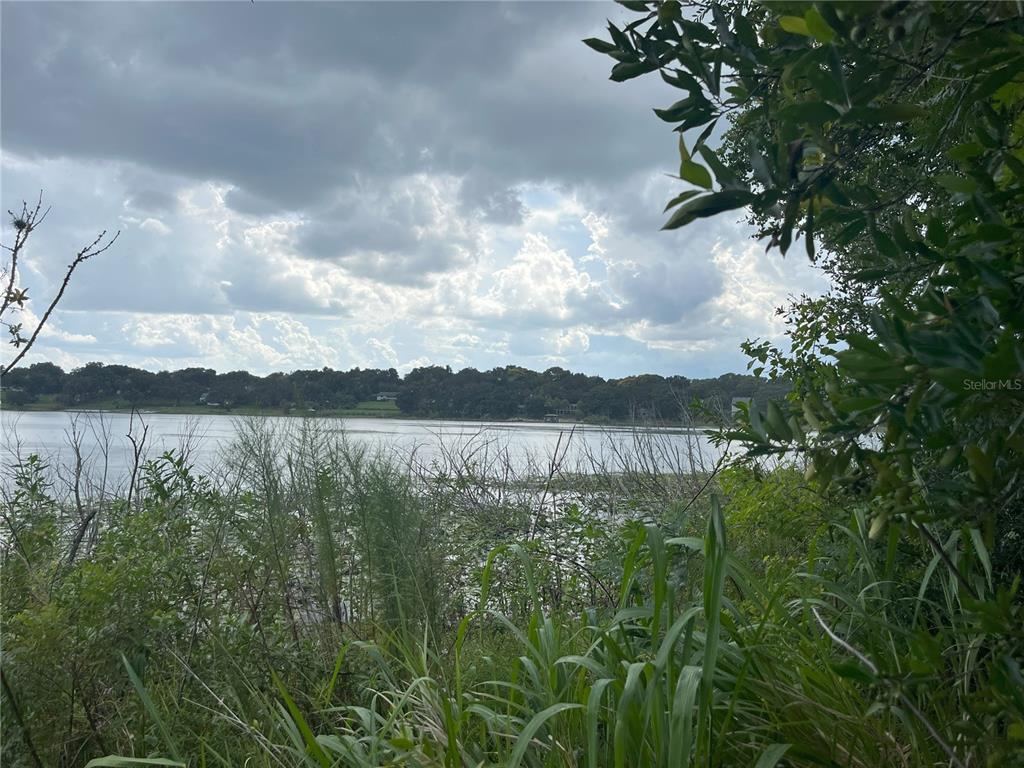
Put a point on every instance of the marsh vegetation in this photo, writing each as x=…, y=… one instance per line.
x=843, y=591
x=316, y=602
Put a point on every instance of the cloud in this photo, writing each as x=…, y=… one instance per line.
x=405, y=232
x=287, y=105
x=151, y=201
x=155, y=225
x=373, y=184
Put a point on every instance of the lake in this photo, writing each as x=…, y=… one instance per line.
x=529, y=447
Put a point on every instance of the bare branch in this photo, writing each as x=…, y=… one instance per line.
x=24, y=224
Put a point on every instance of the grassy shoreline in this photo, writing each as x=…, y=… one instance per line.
x=311, y=594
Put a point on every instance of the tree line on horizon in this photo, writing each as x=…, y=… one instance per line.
x=500, y=393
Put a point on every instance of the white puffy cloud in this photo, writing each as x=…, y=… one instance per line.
x=309, y=185
x=541, y=286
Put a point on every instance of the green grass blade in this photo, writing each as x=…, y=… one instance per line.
x=523, y=742
x=114, y=761
x=681, y=722
x=630, y=692
x=147, y=702
x=338, y=661
x=593, y=718
x=312, y=745
x=771, y=756
x=714, y=583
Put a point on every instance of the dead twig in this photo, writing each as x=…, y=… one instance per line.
x=14, y=297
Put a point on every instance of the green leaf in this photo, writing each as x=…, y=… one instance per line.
x=1015, y=165
x=796, y=25
x=965, y=151
x=777, y=422
x=951, y=377
x=850, y=232
x=698, y=145
x=725, y=176
x=809, y=113
x=936, y=232
x=627, y=70
x=997, y=80
x=619, y=38
x=670, y=11
x=601, y=46
x=818, y=27
x=709, y=205
x=681, y=716
x=885, y=244
x=593, y=716
x=681, y=198
x=680, y=80
x=982, y=552
x=695, y=174
x=851, y=670
x=994, y=233
x=979, y=463
x=956, y=183
x=754, y=415
x=678, y=111
x=684, y=153
x=890, y=113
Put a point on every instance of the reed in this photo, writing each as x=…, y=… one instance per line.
x=317, y=604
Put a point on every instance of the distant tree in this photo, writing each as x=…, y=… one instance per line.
x=26, y=385
x=15, y=294
x=46, y=378
x=500, y=393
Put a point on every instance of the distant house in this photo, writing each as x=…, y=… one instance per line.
x=551, y=418
x=386, y=397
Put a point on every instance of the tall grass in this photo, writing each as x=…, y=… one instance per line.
x=320, y=604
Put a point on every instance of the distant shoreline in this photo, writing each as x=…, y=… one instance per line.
x=352, y=413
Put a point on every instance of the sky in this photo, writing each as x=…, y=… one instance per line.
x=300, y=185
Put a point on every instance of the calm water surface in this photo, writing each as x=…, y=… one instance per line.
x=108, y=452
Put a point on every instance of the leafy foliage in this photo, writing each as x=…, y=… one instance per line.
x=889, y=136
x=865, y=612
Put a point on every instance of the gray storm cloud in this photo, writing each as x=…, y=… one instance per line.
x=415, y=172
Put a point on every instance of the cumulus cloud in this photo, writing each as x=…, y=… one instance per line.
x=329, y=184
x=541, y=286
x=405, y=232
